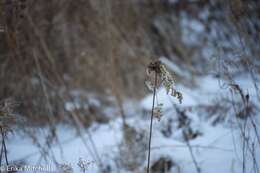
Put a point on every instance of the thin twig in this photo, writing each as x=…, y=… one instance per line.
x=4, y=147
x=151, y=124
x=192, y=146
x=246, y=139
x=2, y=151
x=179, y=113
x=191, y=152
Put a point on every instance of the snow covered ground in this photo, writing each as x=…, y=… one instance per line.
x=217, y=148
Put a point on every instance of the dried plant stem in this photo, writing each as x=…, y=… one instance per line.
x=151, y=124
x=3, y=148
x=191, y=152
x=1, y=154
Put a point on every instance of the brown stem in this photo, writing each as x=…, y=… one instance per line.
x=151, y=125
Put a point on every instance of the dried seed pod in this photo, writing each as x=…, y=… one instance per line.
x=155, y=66
x=153, y=71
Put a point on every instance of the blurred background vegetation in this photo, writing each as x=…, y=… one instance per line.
x=53, y=52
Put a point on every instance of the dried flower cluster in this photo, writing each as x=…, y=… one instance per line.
x=168, y=83
x=158, y=111
x=163, y=77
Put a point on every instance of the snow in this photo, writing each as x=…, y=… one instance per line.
x=217, y=149
x=176, y=69
x=168, y=100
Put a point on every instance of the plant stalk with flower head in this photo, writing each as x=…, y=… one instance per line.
x=158, y=75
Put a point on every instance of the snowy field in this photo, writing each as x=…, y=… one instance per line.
x=217, y=147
